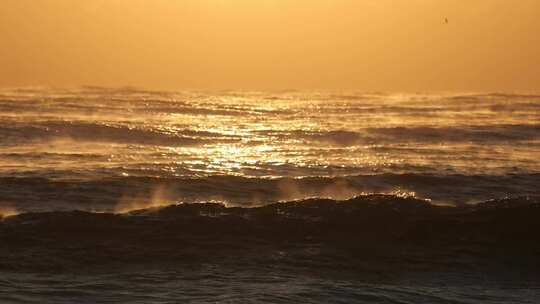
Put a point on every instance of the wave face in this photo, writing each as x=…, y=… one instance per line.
x=365, y=249
x=367, y=222
x=348, y=192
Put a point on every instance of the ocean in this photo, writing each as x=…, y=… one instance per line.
x=138, y=196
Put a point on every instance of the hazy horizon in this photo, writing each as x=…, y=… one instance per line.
x=387, y=46
x=270, y=90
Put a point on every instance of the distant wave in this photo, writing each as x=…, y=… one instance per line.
x=491, y=133
x=459, y=134
x=496, y=95
x=16, y=133
x=118, y=133
x=151, y=105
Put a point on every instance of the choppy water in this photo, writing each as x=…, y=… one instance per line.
x=232, y=146
x=115, y=150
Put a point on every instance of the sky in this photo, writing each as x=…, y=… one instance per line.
x=364, y=45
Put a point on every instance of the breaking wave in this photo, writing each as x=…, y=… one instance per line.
x=306, y=231
x=46, y=194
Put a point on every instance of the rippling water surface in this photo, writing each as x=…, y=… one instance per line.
x=449, y=148
x=211, y=284
x=116, y=150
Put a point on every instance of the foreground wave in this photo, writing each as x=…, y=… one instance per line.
x=363, y=234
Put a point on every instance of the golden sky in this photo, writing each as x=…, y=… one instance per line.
x=366, y=45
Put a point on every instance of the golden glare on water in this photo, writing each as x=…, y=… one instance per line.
x=296, y=134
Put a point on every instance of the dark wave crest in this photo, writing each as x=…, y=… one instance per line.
x=106, y=194
x=377, y=228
